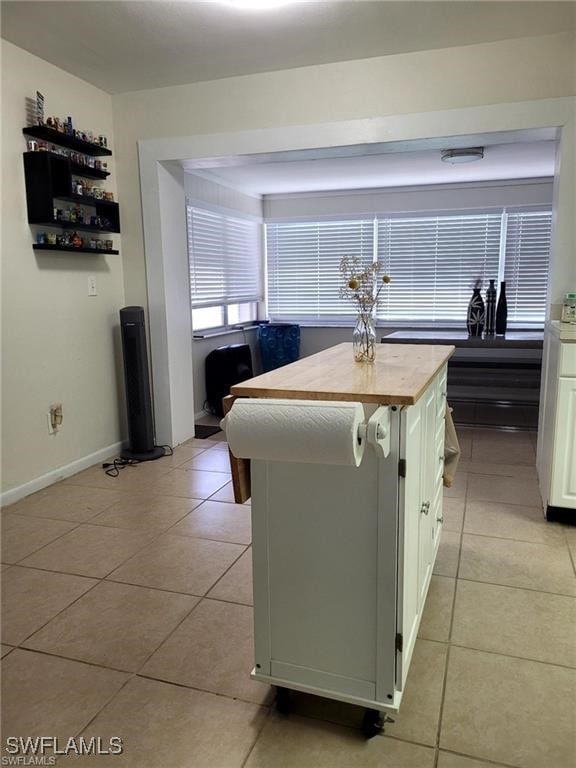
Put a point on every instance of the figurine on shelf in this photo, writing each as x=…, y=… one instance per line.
x=76, y=240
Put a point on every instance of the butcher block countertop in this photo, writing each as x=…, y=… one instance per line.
x=398, y=376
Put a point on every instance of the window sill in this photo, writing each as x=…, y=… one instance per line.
x=201, y=336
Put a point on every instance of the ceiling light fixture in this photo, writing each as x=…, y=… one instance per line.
x=256, y=5
x=459, y=156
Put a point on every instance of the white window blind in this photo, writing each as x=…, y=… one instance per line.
x=434, y=262
x=303, y=258
x=526, y=265
x=225, y=258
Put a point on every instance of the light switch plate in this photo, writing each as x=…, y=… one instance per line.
x=92, y=291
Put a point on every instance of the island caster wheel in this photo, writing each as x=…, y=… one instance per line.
x=372, y=723
x=283, y=702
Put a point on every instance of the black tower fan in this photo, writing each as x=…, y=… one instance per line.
x=225, y=366
x=136, y=377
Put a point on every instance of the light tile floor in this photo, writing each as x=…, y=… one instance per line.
x=127, y=612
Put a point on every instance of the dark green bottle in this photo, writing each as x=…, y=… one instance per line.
x=501, y=311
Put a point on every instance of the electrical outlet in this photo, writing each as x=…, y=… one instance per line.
x=92, y=290
x=55, y=418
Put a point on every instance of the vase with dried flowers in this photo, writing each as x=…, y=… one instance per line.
x=363, y=284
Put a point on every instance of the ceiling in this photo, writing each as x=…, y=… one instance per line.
x=500, y=162
x=134, y=45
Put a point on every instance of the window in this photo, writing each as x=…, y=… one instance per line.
x=434, y=261
x=526, y=264
x=303, y=258
x=225, y=268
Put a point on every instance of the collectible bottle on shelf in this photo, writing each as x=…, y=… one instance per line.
x=476, y=317
x=501, y=311
x=491, y=309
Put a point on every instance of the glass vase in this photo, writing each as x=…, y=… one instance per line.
x=364, y=339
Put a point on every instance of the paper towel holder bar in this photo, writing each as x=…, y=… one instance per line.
x=378, y=430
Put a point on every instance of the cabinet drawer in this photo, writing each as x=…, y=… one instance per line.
x=567, y=358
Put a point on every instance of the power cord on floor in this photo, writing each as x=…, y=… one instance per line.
x=112, y=468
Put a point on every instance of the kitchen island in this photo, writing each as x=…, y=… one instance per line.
x=343, y=554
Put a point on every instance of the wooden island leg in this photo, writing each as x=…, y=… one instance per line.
x=240, y=468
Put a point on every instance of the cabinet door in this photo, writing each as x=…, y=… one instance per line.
x=563, y=490
x=429, y=467
x=410, y=503
x=438, y=490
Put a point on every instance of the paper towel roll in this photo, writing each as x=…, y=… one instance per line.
x=296, y=431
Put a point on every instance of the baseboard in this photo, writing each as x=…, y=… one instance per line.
x=15, y=494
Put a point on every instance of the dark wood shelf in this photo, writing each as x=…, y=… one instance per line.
x=74, y=225
x=77, y=169
x=71, y=249
x=87, y=200
x=44, y=133
x=86, y=172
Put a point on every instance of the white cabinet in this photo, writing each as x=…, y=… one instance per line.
x=563, y=489
x=342, y=566
x=556, y=460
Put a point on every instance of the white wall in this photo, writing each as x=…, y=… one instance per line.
x=58, y=344
x=202, y=189
x=400, y=199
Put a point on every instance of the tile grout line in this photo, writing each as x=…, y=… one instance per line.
x=190, y=612
x=486, y=760
x=449, y=645
x=511, y=586
x=570, y=555
x=186, y=687
x=34, y=552
x=38, y=629
x=509, y=538
x=265, y=721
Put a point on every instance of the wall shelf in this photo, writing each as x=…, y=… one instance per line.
x=86, y=172
x=49, y=179
x=71, y=249
x=44, y=133
x=95, y=202
x=74, y=225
